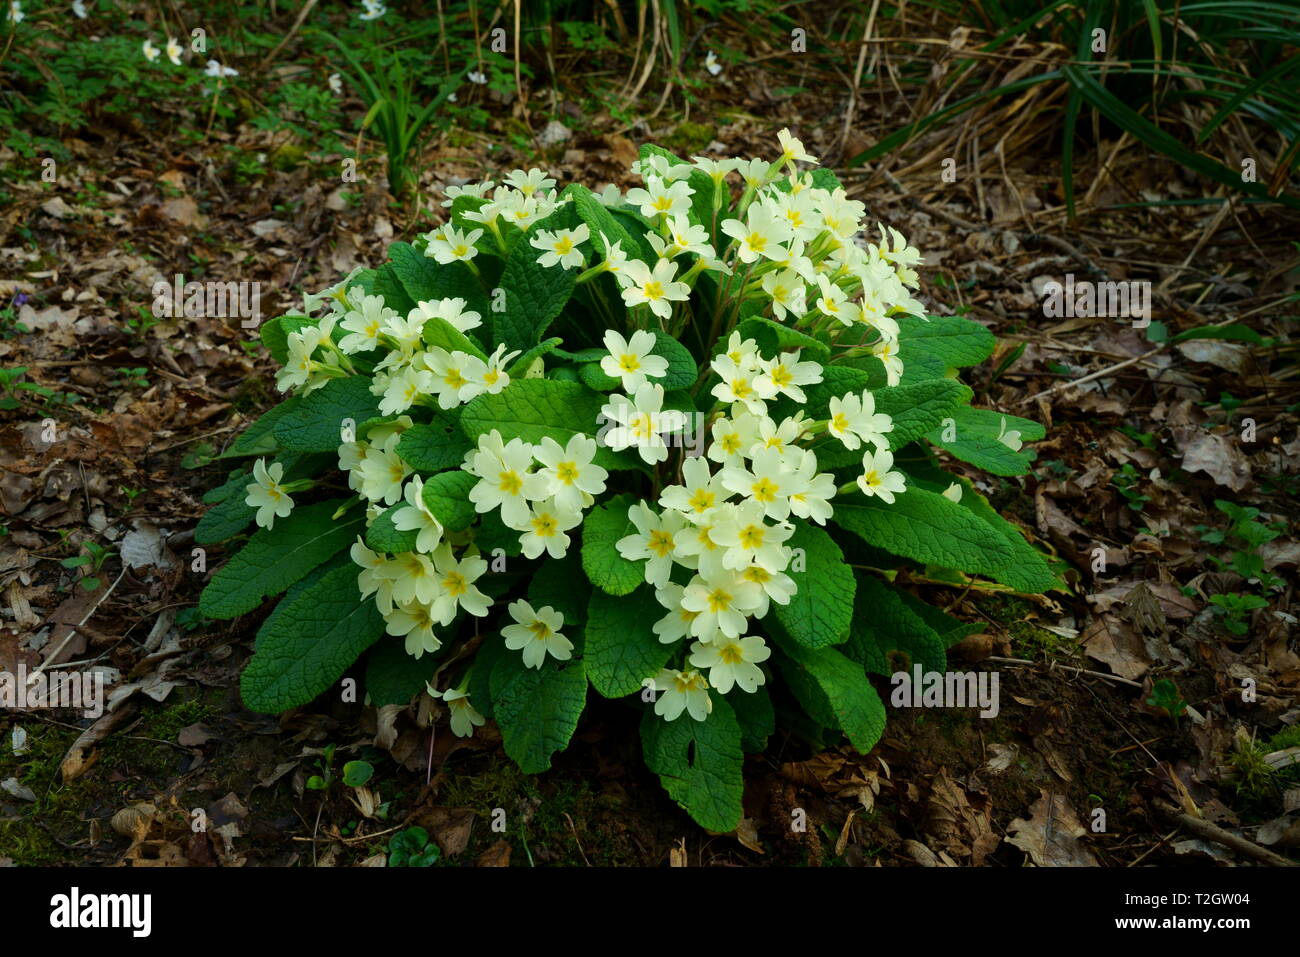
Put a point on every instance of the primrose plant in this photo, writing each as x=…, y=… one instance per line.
x=674, y=444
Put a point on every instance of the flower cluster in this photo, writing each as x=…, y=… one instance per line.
x=713, y=541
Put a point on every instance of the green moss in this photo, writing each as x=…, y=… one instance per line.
x=1028, y=639
x=689, y=138
x=539, y=809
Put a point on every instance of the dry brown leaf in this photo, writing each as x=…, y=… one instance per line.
x=1051, y=836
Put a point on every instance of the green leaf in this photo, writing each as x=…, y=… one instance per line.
x=522, y=364
x=417, y=273
x=920, y=407
x=835, y=692
x=605, y=567
x=275, y=558
x=434, y=447
x=534, y=296
x=236, y=482
x=259, y=438
x=837, y=382
x=384, y=536
x=682, y=372
x=311, y=638
x=537, y=709
x=699, y=763
x=599, y=220
x=226, y=518
x=952, y=340
x=1028, y=570
x=622, y=650
x=925, y=526
x=976, y=440
x=553, y=584
x=883, y=622
x=594, y=377
x=447, y=496
x=531, y=409
x=773, y=337
x=231, y=515
x=392, y=675
x=821, y=609
x=442, y=334
x=316, y=425
x=756, y=717
x=384, y=282
x=949, y=629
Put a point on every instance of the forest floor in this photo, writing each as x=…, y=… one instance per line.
x=1077, y=767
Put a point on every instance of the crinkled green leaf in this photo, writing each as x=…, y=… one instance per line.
x=975, y=440
x=927, y=527
x=835, y=692
x=773, y=337
x=275, y=558
x=952, y=340
x=883, y=622
x=682, y=372
x=384, y=536
x=259, y=438
x=920, y=407
x=311, y=638
x=447, y=496
x=605, y=567
x=600, y=221
x=699, y=763
x=819, y=612
x=534, y=296
x=434, y=447
x=537, y=709
x=317, y=423
x=622, y=650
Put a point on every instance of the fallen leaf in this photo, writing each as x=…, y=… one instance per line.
x=1051, y=836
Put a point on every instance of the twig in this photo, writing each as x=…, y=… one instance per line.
x=1212, y=832
x=302, y=15
x=1053, y=665
x=68, y=637
x=1099, y=374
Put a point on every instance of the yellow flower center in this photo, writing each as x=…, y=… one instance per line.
x=629, y=363
x=454, y=583
x=751, y=537
x=764, y=490
x=661, y=543
x=510, y=483
x=567, y=472
x=731, y=655
x=719, y=600
x=653, y=290
x=540, y=629
x=701, y=500
x=544, y=526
